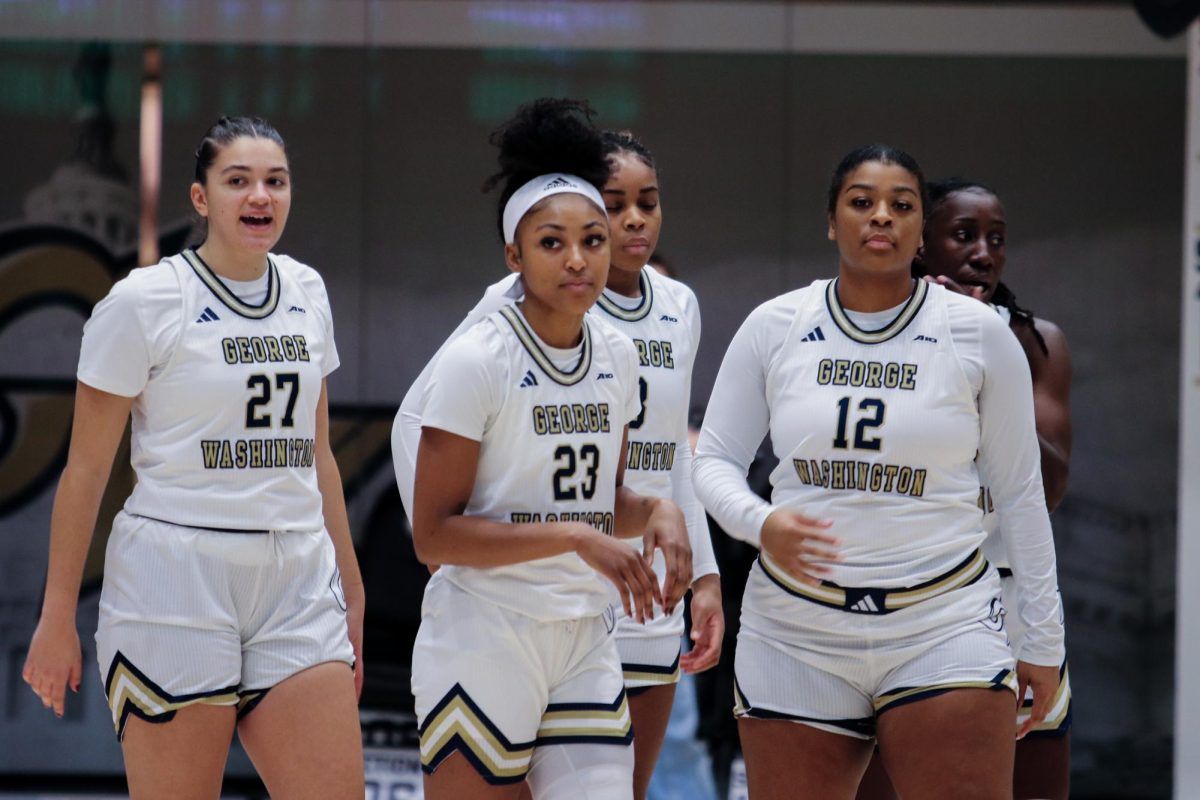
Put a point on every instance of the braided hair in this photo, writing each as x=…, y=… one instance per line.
x=547, y=135
x=618, y=142
x=939, y=192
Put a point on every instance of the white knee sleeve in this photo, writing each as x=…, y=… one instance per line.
x=582, y=772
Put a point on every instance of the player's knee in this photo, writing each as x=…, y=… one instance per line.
x=597, y=782
x=583, y=772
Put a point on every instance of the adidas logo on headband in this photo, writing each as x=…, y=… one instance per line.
x=541, y=187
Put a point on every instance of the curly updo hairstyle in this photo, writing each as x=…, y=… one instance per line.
x=547, y=135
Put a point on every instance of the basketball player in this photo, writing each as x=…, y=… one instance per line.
x=965, y=251
x=222, y=606
x=662, y=317
x=518, y=495
x=871, y=612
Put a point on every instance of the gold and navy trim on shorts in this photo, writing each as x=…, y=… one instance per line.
x=228, y=298
x=1058, y=718
x=248, y=701
x=130, y=691
x=632, y=314
x=862, y=726
x=877, y=601
x=906, y=315
x=647, y=676
x=1004, y=679
x=529, y=341
x=456, y=723
x=587, y=723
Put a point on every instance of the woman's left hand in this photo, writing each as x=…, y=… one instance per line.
x=1044, y=681
x=666, y=530
x=708, y=625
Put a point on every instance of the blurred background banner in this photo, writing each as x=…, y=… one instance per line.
x=1075, y=112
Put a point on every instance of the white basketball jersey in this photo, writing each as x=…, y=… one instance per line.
x=664, y=324
x=550, y=438
x=664, y=327
x=883, y=431
x=225, y=422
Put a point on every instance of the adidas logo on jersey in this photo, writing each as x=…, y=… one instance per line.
x=208, y=316
x=923, y=338
x=558, y=183
x=297, y=309
x=815, y=335
x=603, y=376
x=529, y=380
x=865, y=606
x=667, y=318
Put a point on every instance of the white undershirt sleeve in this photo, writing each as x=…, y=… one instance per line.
x=1010, y=458
x=734, y=426
x=704, y=562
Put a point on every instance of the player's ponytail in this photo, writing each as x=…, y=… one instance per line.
x=1003, y=296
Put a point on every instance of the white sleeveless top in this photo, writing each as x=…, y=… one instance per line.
x=550, y=424
x=226, y=393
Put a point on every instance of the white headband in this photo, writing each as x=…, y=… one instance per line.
x=542, y=187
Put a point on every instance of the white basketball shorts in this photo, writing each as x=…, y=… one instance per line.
x=497, y=685
x=649, y=652
x=189, y=615
x=838, y=670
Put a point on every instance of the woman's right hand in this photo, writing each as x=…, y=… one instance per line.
x=54, y=661
x=796, y=542
x=974, y=292
x=624, y=567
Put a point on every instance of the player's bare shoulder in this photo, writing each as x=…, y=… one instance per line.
x=1045, y=346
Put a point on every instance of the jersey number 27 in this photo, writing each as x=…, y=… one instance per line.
x=256, y=417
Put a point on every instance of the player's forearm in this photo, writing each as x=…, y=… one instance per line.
x=76, y=505
x=632, y=512
x=709, y=584
x=478, y=542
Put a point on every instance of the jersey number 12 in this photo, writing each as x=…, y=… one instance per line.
x=873, y=418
